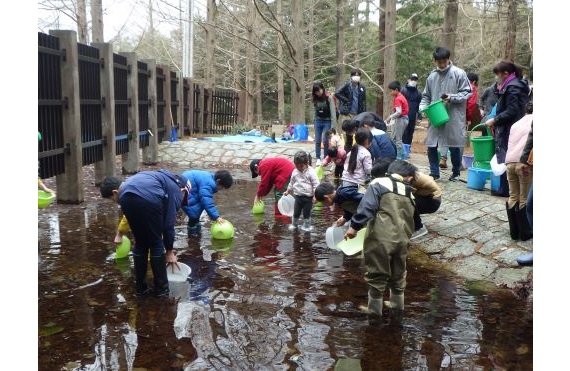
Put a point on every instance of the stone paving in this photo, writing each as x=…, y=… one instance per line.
x=469, y=233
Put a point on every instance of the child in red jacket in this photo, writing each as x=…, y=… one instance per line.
x=275, y=173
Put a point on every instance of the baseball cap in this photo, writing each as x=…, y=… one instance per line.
x=253, y=165
x=183, y=182
x=414, y=76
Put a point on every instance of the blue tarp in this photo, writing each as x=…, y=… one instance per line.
x=246, y=138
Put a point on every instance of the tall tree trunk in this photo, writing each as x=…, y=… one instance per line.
x=237, y=64
x=81, y=21
x=356, y=32
x=499, y=28
x=311, y=53
x=389, y=54
x=298, y=83
x=339, y=43
x=210, y=45
x=97, y=35
x=258, y=86
x=151, y=27
x=381, y=44
x=450, y=26
x=249, y=68
x=280, y=82
x=367, y=13
x=511, y=30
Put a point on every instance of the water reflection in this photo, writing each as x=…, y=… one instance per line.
x=268, y=299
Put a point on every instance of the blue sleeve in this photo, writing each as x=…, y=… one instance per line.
x=172, y=202
x=206, y=194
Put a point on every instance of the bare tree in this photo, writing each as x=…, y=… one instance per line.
x=389, y=53
x=298, y=80
x=210, y=45
x=381, y=45
x=355, y=4
x=81, y=21
x=511, y=30
x=97, y=35
x=339, y=43
x=450, y=26
x=249, y=64
x=280, y=82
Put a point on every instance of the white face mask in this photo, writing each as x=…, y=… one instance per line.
x=356, y=79
x=412, y=83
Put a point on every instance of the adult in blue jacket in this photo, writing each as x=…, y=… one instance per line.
x=382, y=145
x=150, y=200
x=204, y=185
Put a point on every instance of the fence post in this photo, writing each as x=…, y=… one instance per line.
x=191, y=107
x=131, y=159
x=167, y=102
x=150, y=153
x=70, y=184
x=180, y=105
x=200, y=122
x=107, y=166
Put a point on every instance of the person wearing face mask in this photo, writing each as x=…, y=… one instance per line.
x=513, y=95
x=414, y=97
x=351, y=97
x=449, y=83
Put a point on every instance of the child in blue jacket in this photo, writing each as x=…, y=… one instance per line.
x=204, y=185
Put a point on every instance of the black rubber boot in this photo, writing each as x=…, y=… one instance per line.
x=525, y=232
x=141, y=264
x=513, y=222
x=158, y=265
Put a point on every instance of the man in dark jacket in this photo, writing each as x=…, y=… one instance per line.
x=351, y=97
x=414, y=97
x=150, y=200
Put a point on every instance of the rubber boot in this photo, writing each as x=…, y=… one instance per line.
x=375, y=305
x=194, y=229
x=513, y=222
x=158, y=265
x=294, y=224
x=525, y=232
x=141, y=264
x=396, y=301
x=307, y=227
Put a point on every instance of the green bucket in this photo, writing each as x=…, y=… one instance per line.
x=483, y=146
x=436, y=113
x=486, y=165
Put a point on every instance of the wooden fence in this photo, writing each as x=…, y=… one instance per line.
x=94, y=104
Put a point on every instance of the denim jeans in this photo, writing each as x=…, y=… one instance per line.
x=321, y=126
x=529, y=206
x=455, y=153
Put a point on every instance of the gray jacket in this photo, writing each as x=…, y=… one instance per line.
x=454, y=82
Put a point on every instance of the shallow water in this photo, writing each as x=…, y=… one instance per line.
x=268, y=299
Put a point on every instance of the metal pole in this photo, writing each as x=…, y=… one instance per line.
x=191, y=40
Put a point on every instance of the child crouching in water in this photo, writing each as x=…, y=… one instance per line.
x=303, y=183
x=338, y=156
x=387, y=210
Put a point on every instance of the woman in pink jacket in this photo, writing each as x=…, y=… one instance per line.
x=519, y=179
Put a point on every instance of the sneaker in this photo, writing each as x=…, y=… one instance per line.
x=419, y=233
x=443, y=163
x=318, y=163
x=454, y=178
x=435, y=177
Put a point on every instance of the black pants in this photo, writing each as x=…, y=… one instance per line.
x=304, y=204
x=338, y=171
x=409, y=131
x=425, y=205
x=146, y=218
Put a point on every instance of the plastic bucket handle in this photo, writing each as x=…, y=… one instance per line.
x=482, y=124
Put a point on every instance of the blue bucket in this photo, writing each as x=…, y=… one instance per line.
x=495, y=182
x=301, y=132
x=476, y=178
x=173, y=135
x=467, y=161
x=407, y=148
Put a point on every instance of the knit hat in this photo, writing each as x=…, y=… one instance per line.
x=414, y=76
